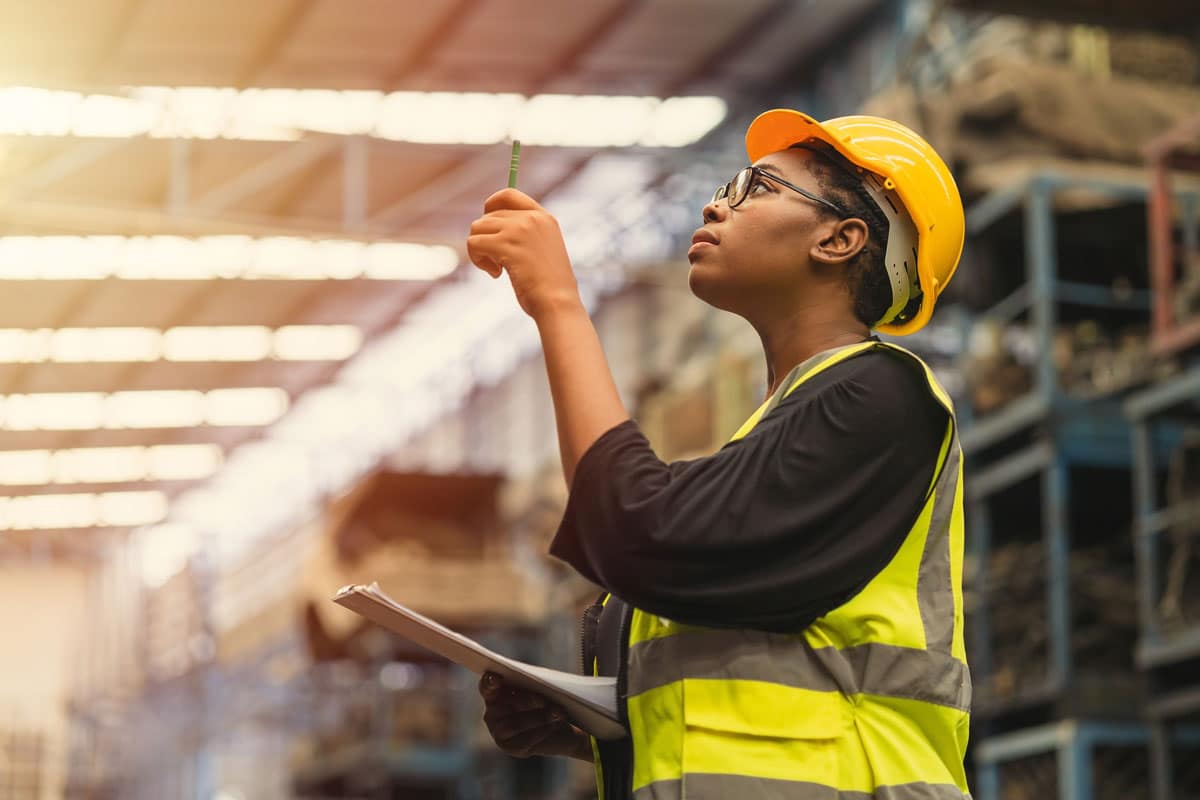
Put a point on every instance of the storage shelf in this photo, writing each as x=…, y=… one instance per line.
x=1052, y=437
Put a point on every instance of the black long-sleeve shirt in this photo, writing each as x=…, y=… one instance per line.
x=773, y=530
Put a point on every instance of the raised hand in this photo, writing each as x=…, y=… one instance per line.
x=516, y=235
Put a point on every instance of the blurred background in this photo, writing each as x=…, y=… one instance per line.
x=243, y=362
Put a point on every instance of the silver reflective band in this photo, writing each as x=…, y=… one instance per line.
x=935, y=585
x=709, y=786
x=731, y=654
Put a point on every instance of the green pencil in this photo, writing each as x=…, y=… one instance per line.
x=514, y=163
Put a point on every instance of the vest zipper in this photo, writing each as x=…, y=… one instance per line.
x=587, y=633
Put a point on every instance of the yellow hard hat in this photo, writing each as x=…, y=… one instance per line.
x=905, y=168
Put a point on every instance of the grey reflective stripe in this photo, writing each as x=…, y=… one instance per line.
x=710, y=786
x=736, y=654
x=935, y=587
x=785, y=385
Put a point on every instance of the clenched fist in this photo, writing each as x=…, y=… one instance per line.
x=525, y=724
x=516, y=235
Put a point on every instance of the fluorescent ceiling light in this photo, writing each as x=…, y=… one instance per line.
x=231, y=343
x=99, y=465
x=182, y=462
x=109, y=464
x=86, y=344
x=131, y=508
x=224, y=343
x=211, y=257
x=26, y=468
x=142, y=409
x=245, y=406
x=317, y=342
x=37, y=512
x=429, y=117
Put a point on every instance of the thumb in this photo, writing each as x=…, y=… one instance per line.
x=510, y=200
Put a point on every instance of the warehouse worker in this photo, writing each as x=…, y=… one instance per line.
x=784, y=616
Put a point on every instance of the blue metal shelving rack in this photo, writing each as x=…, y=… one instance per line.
x=1043, y=435
x=1072, y=743
x=1066, y=431
x=1161, y=650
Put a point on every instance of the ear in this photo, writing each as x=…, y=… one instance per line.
x=840, y=242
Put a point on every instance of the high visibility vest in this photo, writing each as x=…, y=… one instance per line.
x=870, y=700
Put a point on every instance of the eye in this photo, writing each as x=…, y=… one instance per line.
x=759, y=183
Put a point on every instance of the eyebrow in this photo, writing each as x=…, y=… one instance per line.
x=771, y=168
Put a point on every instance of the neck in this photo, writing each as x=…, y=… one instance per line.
x=792, y=339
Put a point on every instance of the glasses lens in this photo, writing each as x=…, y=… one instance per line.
x=720, y=192
x=740, y=187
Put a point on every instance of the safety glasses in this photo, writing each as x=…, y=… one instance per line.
x=738, y=189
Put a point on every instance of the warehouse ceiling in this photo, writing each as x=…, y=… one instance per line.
x=215, y=266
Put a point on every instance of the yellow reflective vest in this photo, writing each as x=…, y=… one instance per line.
x=869, y=701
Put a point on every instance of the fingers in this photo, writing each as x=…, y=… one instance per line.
x=501, y=694
x=521, y=722
x=540, y=731
x=489, y=223
x=506, y=724
x=510, y=199
x=482, y=250
x=536, y=741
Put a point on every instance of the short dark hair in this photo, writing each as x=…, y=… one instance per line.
x=866, y=275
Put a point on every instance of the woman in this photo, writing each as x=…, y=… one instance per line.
x=784, y=616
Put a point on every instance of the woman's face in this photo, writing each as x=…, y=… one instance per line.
x=759, y=251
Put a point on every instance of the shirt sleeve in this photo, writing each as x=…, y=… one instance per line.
x=773, y=530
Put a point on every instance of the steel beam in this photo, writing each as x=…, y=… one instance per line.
x=1161, y=519
x=1057, y=541
x=465, y=175
x=1182, y=703
x=1010, y=307
x=1040, y=270
x=993, y=206
x=1181, y=646
x=1160, y=398
x=290, y=159
x=1089, y=294
x=1145, y=542
x=1018, y=414
x=79, y=155
x=1027, y=742
x=1010, y=470
x=1161, y=768
x=1074, y=768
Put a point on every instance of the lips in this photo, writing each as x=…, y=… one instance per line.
x=706, y=236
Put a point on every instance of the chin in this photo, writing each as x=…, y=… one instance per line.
x=708, y=289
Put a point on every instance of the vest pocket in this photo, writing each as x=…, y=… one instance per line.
x=758, y=730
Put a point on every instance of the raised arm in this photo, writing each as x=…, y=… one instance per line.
x=518, y=236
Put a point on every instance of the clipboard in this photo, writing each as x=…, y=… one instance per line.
x=590, y=702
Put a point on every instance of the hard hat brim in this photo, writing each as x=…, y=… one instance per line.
x=780, y=128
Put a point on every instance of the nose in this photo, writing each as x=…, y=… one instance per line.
x=715, y=210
